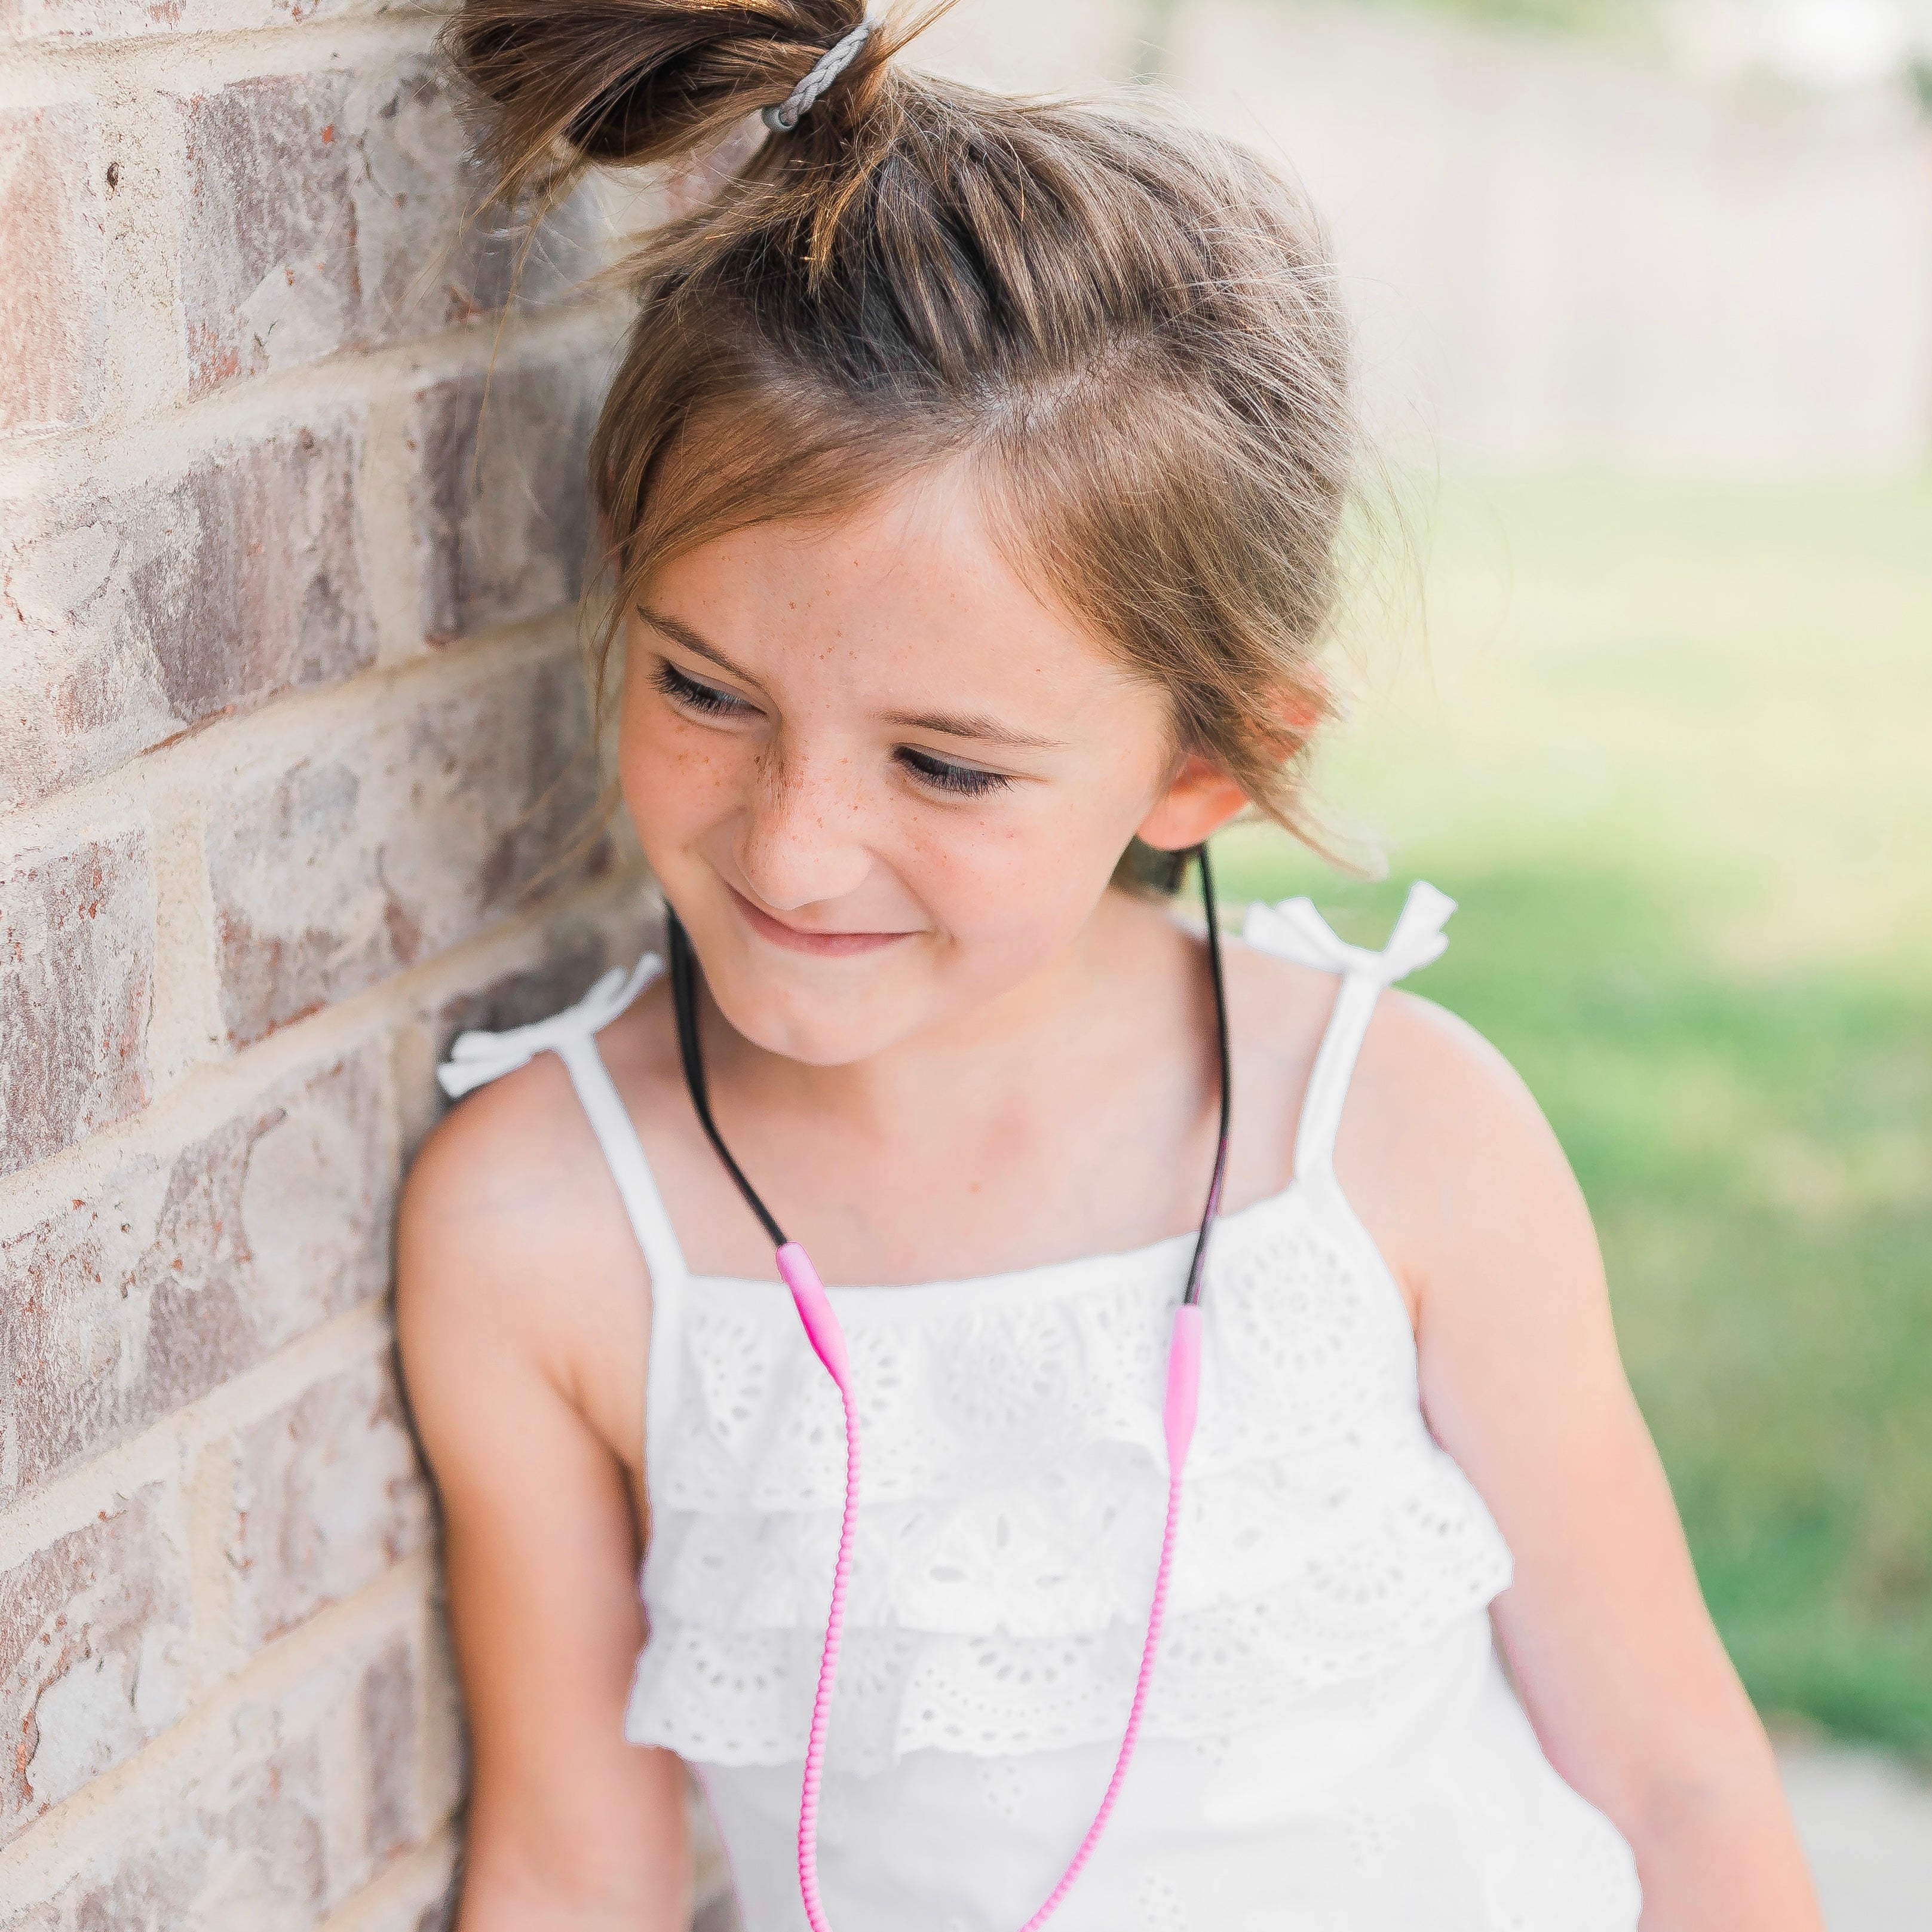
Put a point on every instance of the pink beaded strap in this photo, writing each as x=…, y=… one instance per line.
x=1178, y=1412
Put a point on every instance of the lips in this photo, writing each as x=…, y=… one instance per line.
x=796, y=939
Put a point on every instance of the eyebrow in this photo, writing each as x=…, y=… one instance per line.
x=986, y=730
x=682, y=633
x=975, y=725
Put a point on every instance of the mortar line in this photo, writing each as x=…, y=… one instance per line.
x=55, y=1846
x=164, y=1449
x=131, y=450
x=216, y=1091
x=289, y=724
x=416, y=1879
x=56, y=69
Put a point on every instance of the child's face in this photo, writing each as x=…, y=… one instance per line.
x=882, y=784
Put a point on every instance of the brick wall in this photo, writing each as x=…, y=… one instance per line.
x=289, y=721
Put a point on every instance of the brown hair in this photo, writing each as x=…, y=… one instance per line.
x=1131, y=330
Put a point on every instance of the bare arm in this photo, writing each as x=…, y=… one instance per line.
x=570, y=1829
x=1621, y=1670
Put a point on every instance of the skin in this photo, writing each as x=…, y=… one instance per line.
x=923, y=997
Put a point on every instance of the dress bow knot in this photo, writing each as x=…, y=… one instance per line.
x=475, y=1058
x=1294, y=930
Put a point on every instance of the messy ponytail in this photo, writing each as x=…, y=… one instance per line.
x=1129, y=330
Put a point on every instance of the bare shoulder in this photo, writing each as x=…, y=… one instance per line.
x=1449, y=1160
x=515, y=1256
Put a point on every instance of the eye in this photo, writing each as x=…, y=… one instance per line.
x=697, y=696
x=962, y=781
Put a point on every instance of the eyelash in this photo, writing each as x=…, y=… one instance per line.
x=936, y=774
x=962, y=780
x=704, y=697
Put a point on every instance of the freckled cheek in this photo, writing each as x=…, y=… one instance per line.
x=1011, y=875
x=679, y=782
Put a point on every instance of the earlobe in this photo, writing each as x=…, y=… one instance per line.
x=1198, y=801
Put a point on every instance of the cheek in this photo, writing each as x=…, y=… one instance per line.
x=1026, y=878
x=676, y=781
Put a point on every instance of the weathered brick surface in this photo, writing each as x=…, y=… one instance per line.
x=53, y=304
x=268, y=274
x=246, y=1850
x=501, y=505
x=77, y=954
x=326, y=210
x=83, y=20
x=223, y=1706
x=328, y=1494
x=430, y=255
x=389, y=842
x=240, y=1847
x=440, y=1915
x=94, y=1636
x=171, y=1275
x=134, y=616
x=386, y=1708
x=271, y=1817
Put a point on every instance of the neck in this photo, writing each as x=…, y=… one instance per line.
x=1090, y=997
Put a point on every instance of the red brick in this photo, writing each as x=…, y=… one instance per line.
x=244, y=1832
x=440, y=1915
x=268, y=274
x=386, y=1705
x=53, y=303
x=83, y=20
x=430, y=255
x=172, y=1276
x=501, y=497
x=77, y=954
x=329, y=1494
x=94, y=1634
x=326, y=211
x=133, y=616
x=390, y=842
x=243, y=1847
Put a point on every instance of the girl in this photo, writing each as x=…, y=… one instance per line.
x=973, y=478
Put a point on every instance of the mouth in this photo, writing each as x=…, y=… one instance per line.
x=796, y=939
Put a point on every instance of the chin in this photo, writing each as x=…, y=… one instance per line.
x=820, y=1012
x=814, y=1033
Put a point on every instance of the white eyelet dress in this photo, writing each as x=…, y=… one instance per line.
x=1330, y=1744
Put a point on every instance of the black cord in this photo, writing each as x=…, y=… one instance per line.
x=1213, y=1207
x=684, y=1002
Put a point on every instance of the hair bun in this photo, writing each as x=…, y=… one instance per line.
x=642, y=80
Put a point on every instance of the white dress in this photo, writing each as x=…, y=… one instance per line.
x=1330, y=1744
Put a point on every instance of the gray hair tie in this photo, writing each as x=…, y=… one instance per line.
x=800, y=101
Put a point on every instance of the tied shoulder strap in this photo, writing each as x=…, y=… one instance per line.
x=1294, y=930
x=477, y=1058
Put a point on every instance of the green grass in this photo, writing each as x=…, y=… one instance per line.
x=1671, y=747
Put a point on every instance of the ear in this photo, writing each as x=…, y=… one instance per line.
x=1200, y=799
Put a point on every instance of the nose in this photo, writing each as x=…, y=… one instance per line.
x=800, y=842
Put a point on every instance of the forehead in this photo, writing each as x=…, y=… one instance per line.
x=909, y=589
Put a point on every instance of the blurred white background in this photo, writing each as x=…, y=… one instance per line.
x=1694, y=237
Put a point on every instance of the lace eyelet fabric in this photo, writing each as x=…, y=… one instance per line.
x=1014, y=1484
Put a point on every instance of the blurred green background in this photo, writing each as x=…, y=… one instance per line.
x=1670, y=745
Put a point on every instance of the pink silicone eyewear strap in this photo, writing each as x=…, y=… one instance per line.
x=1178, y=1413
